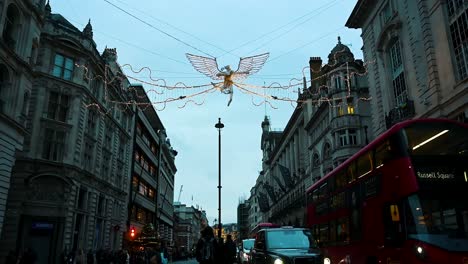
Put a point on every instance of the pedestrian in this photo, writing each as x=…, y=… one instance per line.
x=29, y=257
x=90, y=257
x=229, y=250
x=12, y=257
x=80, y=257
x=207, y=247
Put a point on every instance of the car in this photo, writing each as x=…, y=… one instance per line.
x=244, y=250
x=285, y=245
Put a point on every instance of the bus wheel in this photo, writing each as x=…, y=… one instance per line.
x=371, y=260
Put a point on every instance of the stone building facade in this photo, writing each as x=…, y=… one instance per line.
x=188, y=221
x=418, y=58
x=21, y=22
x=69, y=185
x=152, y=193
x=328, y=126
x=243, y=219
x=336, y=128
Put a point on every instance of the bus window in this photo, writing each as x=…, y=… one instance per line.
x=364, y=165
x=324, y=233
x=315, y=195
x=351, y=171
x=323, y=191
x=333, y=238
x=340, y=180
x=342, y=229
x=382, y=154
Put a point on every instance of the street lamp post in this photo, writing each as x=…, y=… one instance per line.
x=219, y=126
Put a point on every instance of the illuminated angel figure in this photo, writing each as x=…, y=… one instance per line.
x=209, y=67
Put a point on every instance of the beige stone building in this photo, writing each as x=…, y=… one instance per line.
x=69, y=184
x=418, y=58
x=20, y=23
x=327, y=127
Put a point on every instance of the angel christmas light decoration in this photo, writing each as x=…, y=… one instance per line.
x=209, y=67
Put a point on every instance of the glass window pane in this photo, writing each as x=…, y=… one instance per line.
x=67, y=75
x=57, y=72
x=58, y=60
x=69, y=64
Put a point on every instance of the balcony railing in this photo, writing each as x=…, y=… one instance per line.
x=400, y=113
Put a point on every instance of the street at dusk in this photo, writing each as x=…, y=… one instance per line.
x=248, y=132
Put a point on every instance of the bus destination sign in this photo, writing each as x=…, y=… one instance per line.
x=436, y=174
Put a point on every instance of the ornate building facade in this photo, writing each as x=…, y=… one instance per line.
x=69, y=185
x=21, y=23
x=319, y=136
x=418, y=58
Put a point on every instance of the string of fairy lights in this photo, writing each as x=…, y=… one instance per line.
x=160, y=94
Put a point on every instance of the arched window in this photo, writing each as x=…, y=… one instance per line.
x=326, y=150
x=400, y=91
x=11, y=27
x=315, y=160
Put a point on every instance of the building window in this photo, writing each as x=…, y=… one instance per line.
x=91, y=125
x=95, y=86
x=88, y=155
x=54, y=144
x=121, y=154
x=106, y=156
x=400, y=92
x=315, y=160
x=326, y=151
x=352, y=136
x=338, y=82
x=58, y=106
x=11, y=26
x=386, y=14
x=63, y=67
x=82, y=199
x=458, y=21
x=350, y=107
x=347, y=137
x=108, y=137
x=101, y=206
x=339, y=109
x=143, y=189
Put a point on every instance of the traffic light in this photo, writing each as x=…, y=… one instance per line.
x=132, y=232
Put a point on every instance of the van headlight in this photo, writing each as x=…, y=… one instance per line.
x=278, y=261
x=420, y=252
x=326, y=261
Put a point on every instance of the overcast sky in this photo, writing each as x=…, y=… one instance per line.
x=291, y=31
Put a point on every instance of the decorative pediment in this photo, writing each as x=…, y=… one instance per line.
x=49, y=188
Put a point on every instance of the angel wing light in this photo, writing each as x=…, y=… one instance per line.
x=209, y=67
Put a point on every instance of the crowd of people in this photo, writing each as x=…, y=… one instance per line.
x=102, y=256
x=210, y=250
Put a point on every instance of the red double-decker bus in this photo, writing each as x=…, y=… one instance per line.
x=401, y=199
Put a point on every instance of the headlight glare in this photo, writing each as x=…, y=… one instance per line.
x=278, y=261
x=419, y=250
x=326, y=261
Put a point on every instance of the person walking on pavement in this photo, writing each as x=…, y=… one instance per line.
x=207, y=247
x=229, y=250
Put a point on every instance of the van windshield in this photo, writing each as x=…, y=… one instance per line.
x=288, y=239
x=248, y=244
